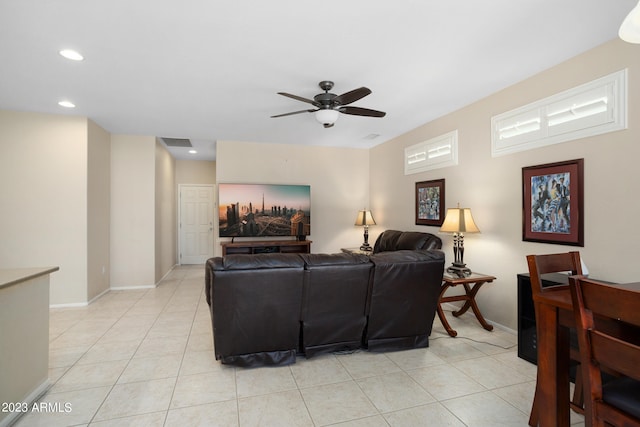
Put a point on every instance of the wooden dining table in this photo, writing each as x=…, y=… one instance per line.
x=555, y=317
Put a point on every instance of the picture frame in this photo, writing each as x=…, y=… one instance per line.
x=553, y=203
x=430, y=202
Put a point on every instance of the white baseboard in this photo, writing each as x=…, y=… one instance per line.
x=30, y=399
x=166, y=274
x=155, y=285
x=130, y=288
x=453, y=307
x=504, y=328
x=69, y=305
x=113, y=288
x=98, y=296
x=79, y=304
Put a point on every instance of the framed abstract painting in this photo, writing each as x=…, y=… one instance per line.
x=553, y=203
x=430, y=202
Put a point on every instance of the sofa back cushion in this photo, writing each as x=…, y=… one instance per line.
x=394, y=240
x=247, y=262
x=255, y=305
x=404, y=298
x=258, y=261
x=334, y=303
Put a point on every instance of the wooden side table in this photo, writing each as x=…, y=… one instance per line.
x=471, y=286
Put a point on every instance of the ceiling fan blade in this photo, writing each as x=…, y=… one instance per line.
x=352, y=96
x=299, y=98
x=357, y=111
x=292, y=113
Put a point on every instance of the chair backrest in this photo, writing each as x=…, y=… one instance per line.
x=602, y=313
x=552, y=263
x=538, y=266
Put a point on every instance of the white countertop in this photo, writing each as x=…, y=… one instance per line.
x=13, y=276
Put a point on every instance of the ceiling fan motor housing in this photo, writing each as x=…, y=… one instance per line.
x=325, y=100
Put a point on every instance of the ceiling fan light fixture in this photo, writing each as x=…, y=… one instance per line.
x=630, y=28
x=327, y=116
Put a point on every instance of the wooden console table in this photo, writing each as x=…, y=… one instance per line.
x=266, y=246
x=475, y=279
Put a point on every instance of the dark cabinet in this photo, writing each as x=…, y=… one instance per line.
x=527, y=340
x=527, y=345
x=527, y=337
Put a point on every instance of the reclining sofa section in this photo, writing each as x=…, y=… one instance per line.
x=267, y=308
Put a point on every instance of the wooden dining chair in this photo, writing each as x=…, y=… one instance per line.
x=603, y=344
x=554, y=263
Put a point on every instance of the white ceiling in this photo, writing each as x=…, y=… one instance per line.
x=209, y=70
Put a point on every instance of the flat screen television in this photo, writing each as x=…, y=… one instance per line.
x=264, y=210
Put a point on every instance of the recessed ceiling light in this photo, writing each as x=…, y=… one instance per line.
x=71, y=54
x=67, y=104
x=193, y=152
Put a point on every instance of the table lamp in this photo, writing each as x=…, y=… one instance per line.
x=365, y=219
x=458, y=221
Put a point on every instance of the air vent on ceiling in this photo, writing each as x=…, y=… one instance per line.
x=177, y=142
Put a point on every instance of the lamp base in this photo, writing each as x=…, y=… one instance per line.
x=366, y=247
x=459, y=270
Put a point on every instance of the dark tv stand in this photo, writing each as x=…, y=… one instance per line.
x=266, y=246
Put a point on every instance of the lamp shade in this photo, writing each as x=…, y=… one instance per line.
x=327, y=116
x=630, y=28
x=365, y=218
x=459, y=220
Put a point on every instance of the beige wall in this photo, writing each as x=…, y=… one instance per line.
x=133, y=161
x=165, y=212
x=43, y=182
x=101, y=207
x=492, y=187
x=98, y=210
x=53, y=206
x=339, y=180
x=195, y=172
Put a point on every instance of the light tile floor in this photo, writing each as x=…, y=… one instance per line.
x=145, y=358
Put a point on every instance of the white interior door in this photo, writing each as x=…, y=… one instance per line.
x=195, y=223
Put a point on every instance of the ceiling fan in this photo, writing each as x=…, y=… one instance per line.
x=329, y=105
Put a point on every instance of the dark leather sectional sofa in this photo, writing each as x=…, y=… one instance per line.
x=266, y=309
